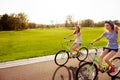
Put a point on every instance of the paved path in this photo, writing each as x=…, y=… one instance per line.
x=43, y=68
x=26, y=61
x=47, y=70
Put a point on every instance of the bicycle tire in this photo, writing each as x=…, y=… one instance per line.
x=116, y=62
x=83, y=54
x=61, y=58
x=83, y=71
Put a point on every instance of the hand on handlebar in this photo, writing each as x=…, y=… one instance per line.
x=93, y=47
x=71, y=40
x=91, y=43
x=64, y=38
x=68, y=40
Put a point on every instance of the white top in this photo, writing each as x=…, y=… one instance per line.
x=78, y=38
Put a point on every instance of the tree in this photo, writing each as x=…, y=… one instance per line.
x=117, y=22
x=4, y=22
x=69, y=21
x=66, y=23
x=31, y=25
x=0, y=23
x=87, y=23
x=13, y=22
x=23, y=21
x=99, y=24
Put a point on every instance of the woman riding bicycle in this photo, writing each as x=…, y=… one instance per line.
x=77, y=42
x=112, y=47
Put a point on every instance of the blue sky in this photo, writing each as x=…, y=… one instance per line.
x=43, y=11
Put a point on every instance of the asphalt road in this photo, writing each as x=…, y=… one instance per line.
x=46, y=71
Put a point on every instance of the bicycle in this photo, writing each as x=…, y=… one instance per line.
x=62, y=56
x=89, y=70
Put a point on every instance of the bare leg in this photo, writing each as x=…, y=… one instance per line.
x=108, y=57
x=103, y=54
x=74, y=46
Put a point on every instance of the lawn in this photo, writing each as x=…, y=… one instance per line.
x=40, y=42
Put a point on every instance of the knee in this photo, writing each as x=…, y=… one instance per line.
x=72, y=48
x=101, y=58
x=106, y=60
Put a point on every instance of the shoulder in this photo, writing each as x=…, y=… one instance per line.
x=78, y=34
x=105, y=33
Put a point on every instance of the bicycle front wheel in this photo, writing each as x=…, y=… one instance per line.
x=116, y=63
x=87, y=71
x=83, y=51
x=61, y=58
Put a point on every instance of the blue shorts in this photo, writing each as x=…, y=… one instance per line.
x=116, y=50
x=78, y=43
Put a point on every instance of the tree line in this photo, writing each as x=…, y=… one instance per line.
x=20, y=22
x=91, y=23
x=86, y=23
x=13, y=22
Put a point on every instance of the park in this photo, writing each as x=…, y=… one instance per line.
x=59, y=40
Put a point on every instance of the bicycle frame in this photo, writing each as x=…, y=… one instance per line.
x=65, y=54
x=67, y=47
x=98, y=61
x=74, y=53
x=90, y=69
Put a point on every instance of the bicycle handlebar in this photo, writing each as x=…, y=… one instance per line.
x=68, y=40
x=94, y=48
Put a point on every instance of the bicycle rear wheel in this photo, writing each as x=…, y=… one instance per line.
x=87, y=71
x=116, y=63
x=83, y=51
x=61, y=58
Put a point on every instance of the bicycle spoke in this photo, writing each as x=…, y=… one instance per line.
x=116, y=64
x=86, y=72
x=61, y=57
x=83, y=54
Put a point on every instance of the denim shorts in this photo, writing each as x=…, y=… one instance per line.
x=116, y=50
x=78, y=43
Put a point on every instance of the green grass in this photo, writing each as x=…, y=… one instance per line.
x=40, y=42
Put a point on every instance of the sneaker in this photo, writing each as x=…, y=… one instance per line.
x=99, y=69
x=112, y=69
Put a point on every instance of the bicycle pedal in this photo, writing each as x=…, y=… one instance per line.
x=74, y=56
x=102, y=71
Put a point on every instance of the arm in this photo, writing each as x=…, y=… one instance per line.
x=69, y=36
x=99, y=38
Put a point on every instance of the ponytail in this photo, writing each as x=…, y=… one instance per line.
x=116, y=29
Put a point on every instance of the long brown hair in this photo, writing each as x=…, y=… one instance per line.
x=110, y=23
x=77, y=31
x=113, y=25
